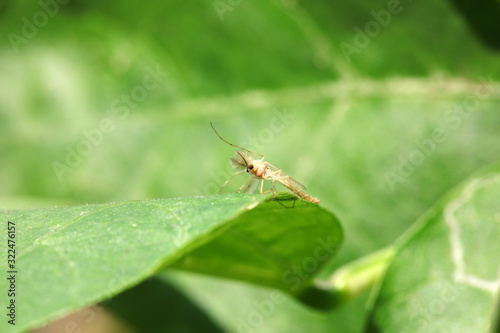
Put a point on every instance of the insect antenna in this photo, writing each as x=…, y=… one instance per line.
x=229, y=143
x=242, y=162
x=243, y=157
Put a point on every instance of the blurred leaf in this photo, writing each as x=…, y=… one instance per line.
x=483, y=18
x=446, y=277
x=162, y=308
x=270, y=74
x=75, y=256
x=240, y=307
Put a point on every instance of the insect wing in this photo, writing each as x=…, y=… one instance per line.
x=240, y=160
x=286, y=177
x=251, y=185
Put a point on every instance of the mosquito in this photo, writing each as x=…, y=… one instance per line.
x=261, y=170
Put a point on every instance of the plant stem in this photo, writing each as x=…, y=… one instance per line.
x=349, y=281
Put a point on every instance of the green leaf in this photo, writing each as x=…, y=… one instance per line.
x=482, y=17
x=446, y=275
x=349, y=120
x=70, y=257
x=163, y=308
x=269, y=251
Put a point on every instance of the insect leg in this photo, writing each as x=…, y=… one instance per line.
x=262, y=188
x=246, y=181
x=272, y=182
x=227, y=181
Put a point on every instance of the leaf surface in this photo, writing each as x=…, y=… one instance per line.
x=446, y=277
x=70, y=257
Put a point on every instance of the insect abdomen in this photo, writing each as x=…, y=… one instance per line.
x=297, y=191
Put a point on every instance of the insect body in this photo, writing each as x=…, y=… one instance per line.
x=261, y=170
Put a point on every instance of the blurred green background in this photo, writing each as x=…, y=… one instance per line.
x=106, y=101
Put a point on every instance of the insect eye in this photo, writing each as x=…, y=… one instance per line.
x=250, y=166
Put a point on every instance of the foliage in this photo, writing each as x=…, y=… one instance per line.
x=111, y=102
